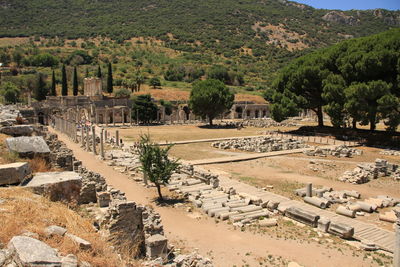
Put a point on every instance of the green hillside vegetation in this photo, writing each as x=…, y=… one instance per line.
x=244, y=32
x=355, y=81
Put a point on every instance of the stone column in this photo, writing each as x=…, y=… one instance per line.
x=117, y=137
x=96, y=114
x=130, y=116
x=106, y=117
x=113, y=116
x=94, y=139
x=87, y=139
x=102, y=144
x=76, y=132
x=309, y=190
x=123, y=116
x=105, y=135
x=396, y=256
x=82, y=136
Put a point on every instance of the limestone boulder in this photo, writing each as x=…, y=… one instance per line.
x=58, y=186
x=28, y=146
x=14, y=173
x=156, y=246
x=18, y=130
x=28, y=251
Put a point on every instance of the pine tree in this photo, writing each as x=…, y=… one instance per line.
x=75, y=83
x=99, y=75
x=53, y=85
x=87, y=72
x=64, y=89
x=109, y=79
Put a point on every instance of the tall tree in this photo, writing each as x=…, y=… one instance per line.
x=40, y=91
x=87, y=72
x=64, y=85
x=210, y=98
x=53, y=85
x=99, y=74
x=109, y=79
x=75, y=83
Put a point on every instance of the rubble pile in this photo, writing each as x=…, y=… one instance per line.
x=363, y=173
x=61, y=157
x=260, y=144
x=10, y=115
x=341, y=151
x=390, y=152
x=267, y=122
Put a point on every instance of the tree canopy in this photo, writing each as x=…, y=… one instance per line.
x=143, y=108
x=355, y=81
x=210, y=98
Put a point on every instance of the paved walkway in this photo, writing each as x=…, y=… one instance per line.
x=362, y=231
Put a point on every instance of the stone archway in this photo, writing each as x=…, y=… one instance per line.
x=239, y=112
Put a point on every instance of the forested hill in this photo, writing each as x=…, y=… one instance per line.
x=229, y=27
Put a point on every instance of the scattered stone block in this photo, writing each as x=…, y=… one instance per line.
x=14, y=173
x=55, y=230
x=267, y=222
x=69, y=261
x=341, y=230
x=317, y=202
x=156, y=246
x=28, y=146
x=56, y=185
x=346, y=212
x=323, y=224
x=28, y=251
x=17, y=130
x=302, y=216
x=103, y=199
x=82, y=243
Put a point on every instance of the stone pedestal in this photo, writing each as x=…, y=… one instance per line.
x=309, y=190
x=156, y=246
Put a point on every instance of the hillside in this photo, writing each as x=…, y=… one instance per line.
x=228, y=27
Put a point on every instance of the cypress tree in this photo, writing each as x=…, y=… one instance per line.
x=40, y=90
x=109, y=79
x=87, y=72
x=99, y=75
x=53, y=85
x=75, y=83
x=64, y=89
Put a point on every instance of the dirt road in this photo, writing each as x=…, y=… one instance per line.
x=226, y=246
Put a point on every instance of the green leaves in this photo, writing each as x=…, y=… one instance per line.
x=155, y=162
x=356, y=79
x=210, y=98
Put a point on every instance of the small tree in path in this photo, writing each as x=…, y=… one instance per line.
x=109, y=79
x=156, y=164
x=210, y=98
x=75, y=83
x=53, y=85
x=64, y=88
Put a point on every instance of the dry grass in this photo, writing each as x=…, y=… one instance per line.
x=24, y=211
x=37, y=164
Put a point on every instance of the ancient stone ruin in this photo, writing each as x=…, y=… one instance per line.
x=341, y=151
x=260, y=144
x=363, y=173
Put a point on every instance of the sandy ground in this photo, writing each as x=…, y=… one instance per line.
x=221, y=242
x=188, y=132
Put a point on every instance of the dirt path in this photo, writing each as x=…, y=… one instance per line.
x=227, y=247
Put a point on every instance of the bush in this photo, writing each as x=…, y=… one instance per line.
x=123, y=92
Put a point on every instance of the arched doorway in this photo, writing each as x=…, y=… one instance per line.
x=239, y=112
